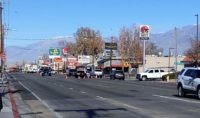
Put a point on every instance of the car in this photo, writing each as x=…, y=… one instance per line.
x=71, y=72
x=80, y=73
x=45, y=71
x=117, y=74
x=98, y=73
x=188, y=81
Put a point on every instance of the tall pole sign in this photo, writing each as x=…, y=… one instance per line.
x=144, y=35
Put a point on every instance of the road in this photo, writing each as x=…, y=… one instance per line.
x=58, y=97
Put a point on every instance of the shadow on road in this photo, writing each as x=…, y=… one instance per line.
x=31, y=113
x=91, y=113
x=13, y=92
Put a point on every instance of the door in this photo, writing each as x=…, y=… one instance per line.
x=151, y=74
x=187, y=79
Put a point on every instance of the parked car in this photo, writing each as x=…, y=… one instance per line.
x=45, y=71
x=117, y=74
x=154, y=73
x=189, y=81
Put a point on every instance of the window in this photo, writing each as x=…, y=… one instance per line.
x=180, y=73
x=198, y=73
x=156, y=71
x=188, y=72
x=151, y=71
x=162, y=71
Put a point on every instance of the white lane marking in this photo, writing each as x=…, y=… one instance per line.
x=177, y=99
x=115, y=102
x=43, y=102
x=71, y=88
x=83, y=92
x=103, y=86
x=100, y=97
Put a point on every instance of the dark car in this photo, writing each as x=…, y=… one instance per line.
x=80, y=73
x=117, y=74
x=71, y=72
x=45, y=71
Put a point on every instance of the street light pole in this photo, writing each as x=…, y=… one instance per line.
x=169, y=58
x=1, y=52
x=197, y=47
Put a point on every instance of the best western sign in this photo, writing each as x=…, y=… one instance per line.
x=54, y=52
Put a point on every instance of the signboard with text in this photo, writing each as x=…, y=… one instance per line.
x=54, y=52
x=110, y=46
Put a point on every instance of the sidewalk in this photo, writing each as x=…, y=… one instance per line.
x=7, y=111
x=9, y=104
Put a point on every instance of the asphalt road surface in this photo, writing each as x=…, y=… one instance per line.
x=58, y=97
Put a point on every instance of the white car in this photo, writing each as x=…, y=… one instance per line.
x=189, y=81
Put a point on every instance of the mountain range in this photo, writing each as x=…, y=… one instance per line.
x=163, y=40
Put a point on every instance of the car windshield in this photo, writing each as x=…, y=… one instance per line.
x=198, y=73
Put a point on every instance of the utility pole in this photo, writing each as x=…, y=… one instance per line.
x=197, y=48
x=111, y=55
x=176, y=51
x=1, y=51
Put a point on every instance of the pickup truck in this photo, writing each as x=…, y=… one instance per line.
x=151, y=74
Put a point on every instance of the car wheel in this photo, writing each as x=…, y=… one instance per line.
x=181, y=93
x=144, y=78
x=198, y=93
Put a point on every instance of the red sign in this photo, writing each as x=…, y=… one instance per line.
x=65, y=51
x=57, y=59
x=3, y=56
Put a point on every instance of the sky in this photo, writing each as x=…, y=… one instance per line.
x=29, y=21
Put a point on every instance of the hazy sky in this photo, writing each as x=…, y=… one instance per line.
x=43, y=19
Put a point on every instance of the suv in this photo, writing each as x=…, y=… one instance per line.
x=189, y=81
x=154, y=73
x=45, y=71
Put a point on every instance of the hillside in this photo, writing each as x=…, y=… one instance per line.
x=163, y=40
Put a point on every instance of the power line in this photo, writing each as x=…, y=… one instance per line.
x=23, y=39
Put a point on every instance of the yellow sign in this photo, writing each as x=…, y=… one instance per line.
x=126, y=64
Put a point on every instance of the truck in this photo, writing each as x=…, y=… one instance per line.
x=153, y=73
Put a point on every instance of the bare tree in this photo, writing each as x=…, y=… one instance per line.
x=72, y=48
x=152, y=49
x=129, y=44
x=194, y=51
x=88, y=41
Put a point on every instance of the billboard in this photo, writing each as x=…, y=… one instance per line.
x=65, y=51
x=110, y=46
x=83, y=59
x=54, y=52
x=144, y=32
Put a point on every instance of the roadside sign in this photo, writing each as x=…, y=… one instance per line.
x=57, y=59
x=144, y=32
x=110, y=46
x=54, y=52
x=65, y=50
